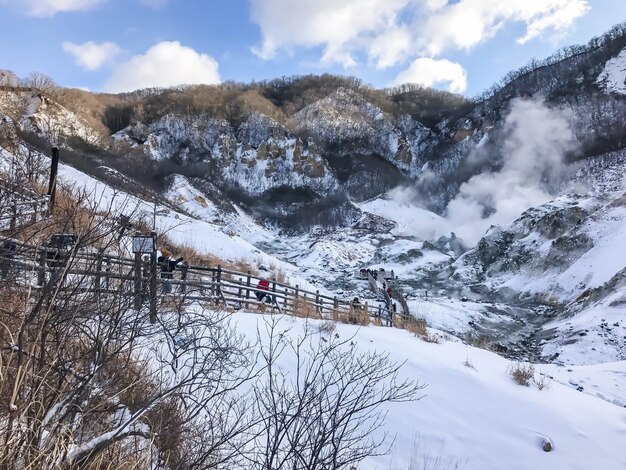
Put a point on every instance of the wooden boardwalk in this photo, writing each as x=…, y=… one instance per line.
x=102, y=273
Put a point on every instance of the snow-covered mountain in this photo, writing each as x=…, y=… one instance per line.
x=502, y=219
x=331, y=175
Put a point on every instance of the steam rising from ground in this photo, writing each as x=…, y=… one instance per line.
x=536, y=140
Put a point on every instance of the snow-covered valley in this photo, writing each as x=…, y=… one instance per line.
x=502, y=228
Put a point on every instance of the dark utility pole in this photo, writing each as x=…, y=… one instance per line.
x=54, y=168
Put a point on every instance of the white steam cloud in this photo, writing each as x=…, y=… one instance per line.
x=535, y=140
x=538, y=139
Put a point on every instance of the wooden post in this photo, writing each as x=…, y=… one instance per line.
x=297, y=291
x=41, y=275
x=335, y=303
x=97, y=280
x=107, y=271
x=285, y=299
x=367, y=311
x=218, y=276
x=317, y=302
x=153, y=287
x=213, y=284
x=248, y=289
x=183, y=277
x=138, y=277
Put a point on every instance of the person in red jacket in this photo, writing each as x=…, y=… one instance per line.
x=263, y=284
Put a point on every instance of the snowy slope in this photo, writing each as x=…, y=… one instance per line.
x=613, y=77
x=478, y=417
x=411, y=219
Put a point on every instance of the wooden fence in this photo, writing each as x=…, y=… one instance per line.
x=19, y=206
x=89, y=270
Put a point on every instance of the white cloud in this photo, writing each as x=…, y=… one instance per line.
x=91, y=55
x=389, y=31
x=429, y=72
x=50, y=7
x=467, y=23
x=165, y=64
x=339, y=26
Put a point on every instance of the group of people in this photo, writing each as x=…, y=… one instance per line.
x=376, y=273
x=371, y=272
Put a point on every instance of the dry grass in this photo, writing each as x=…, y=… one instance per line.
x=417, y=326
x=469, y=364
x=327, y=327
x=542, y=382
x=303, y=308
x=356, y=316
x=522, y=373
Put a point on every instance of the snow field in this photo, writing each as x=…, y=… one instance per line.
x=478, y=416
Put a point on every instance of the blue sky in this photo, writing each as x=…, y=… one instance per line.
x=459, y=45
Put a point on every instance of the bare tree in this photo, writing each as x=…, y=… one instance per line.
x=88, y=381
x=329, y=411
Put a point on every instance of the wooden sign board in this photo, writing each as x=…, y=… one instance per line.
x=143, y=244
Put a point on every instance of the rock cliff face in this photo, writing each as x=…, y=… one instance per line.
x=316, y=142
x=258, y=156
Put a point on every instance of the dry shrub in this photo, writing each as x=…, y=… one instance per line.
x=303, y=308
x=469, y=364
x=522, y=373
x=543, y=382
x=417, y=326
x=167, y=424
x=242, y=266
x=327, y=327
x=280, y=276
x=357, y=316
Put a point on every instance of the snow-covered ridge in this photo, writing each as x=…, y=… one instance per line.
x=613, y=77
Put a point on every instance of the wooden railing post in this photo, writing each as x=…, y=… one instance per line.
x=318, y=308
x=41, y=275
x=247, y=289
x=218, y=279
x=137, y=271
x=285, y=299
x=97, y=281
x=183, y=277
x=107, y=271
x=335, y=303
x=153, y=287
